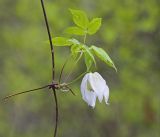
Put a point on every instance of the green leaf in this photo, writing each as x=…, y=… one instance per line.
x=94, y=26
x=75, y=30
x=101, y=54
x=74, y=41
x=80, y=18
x=89, y=58
x=61, y=41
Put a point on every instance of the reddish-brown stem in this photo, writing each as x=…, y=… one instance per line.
x=19, y=93
x=53, y=64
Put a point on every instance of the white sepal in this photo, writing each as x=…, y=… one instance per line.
x=94, y=86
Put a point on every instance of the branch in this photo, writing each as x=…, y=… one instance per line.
x=19, y=93
x=49, y=36
x=53, y=64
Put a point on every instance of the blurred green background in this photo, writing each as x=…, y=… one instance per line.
x=130, y=33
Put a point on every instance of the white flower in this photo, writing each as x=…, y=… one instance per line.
x=94, y=86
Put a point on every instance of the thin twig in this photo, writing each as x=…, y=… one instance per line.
x=10, y=96
x=53, y=65
x=60, y=77
x=67, y=77
x=50, y=38
x=56, y=101
x=71, y=90
x=77, y=78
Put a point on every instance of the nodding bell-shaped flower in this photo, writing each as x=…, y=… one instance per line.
x=94, y=86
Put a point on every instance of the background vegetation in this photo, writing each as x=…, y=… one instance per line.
x=130, y=33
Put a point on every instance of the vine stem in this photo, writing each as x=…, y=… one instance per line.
x=77, y=78
x=19, y=93
x=84, y=40
x=67, y=77
x=53, y=65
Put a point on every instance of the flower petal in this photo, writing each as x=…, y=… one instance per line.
x=98, y=84
x=93, y=86
x=84, y=84
x=90, y=98
x=106, y=94
x=87, y=94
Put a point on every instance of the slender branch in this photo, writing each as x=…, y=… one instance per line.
x=71, y=90
x=19, y=93
x=77, y=78
x=50, y=38
x=56, y=101
x=53, y=65
x=67, y=77
x=60, y=77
